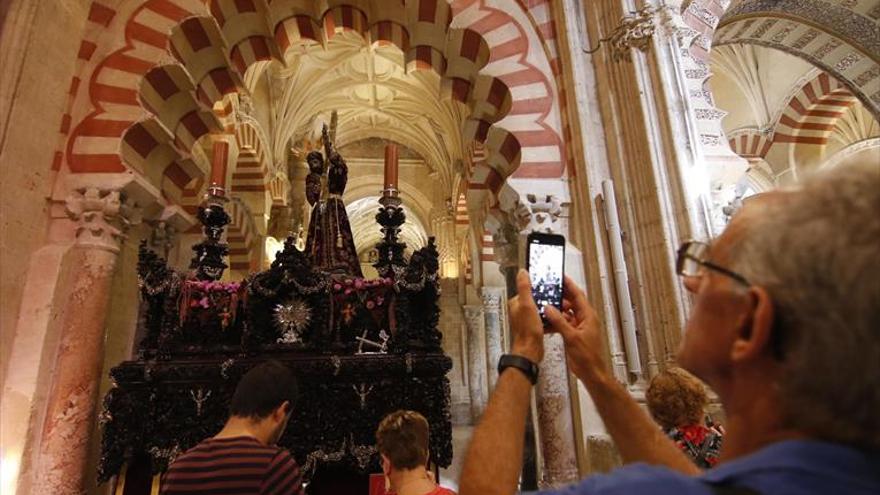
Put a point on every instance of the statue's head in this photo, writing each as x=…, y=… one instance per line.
x=316, y=161
x=336, y=159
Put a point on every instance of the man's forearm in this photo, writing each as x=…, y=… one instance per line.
x=493, y=461
x=636, y=435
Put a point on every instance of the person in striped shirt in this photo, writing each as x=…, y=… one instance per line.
x=243, y=459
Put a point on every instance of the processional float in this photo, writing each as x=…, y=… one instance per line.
x=361, y=348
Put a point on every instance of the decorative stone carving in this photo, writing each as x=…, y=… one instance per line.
x=102, y=217
x=725, y=202
x=245, y=106
x=538, y=213
x=635, y=30
x=673, y=24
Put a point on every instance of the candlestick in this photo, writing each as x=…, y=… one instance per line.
x=390, y=168
x=218, y=163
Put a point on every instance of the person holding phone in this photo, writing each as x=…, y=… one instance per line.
x=785, y=327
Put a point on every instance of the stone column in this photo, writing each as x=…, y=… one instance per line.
x=543, y=213
x=476, y=354
x=546, y=213
x=492, y=299
x=70, y=410
x=554, y=417
x=506, y=240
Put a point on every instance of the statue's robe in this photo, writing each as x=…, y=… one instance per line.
x=330, y=243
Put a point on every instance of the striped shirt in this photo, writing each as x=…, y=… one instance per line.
x=233, y=466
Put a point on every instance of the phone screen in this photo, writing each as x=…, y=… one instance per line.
x=546, y=258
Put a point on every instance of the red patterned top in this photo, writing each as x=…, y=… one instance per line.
x=701, y=443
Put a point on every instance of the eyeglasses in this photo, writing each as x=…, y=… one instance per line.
x=691, y=259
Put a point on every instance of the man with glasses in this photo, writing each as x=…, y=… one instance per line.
x=785, y=327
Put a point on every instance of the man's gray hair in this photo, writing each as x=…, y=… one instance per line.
x=817, y=252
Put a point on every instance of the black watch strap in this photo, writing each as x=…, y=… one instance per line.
x=524, y=364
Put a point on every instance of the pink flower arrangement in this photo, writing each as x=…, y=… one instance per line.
x=215, y=286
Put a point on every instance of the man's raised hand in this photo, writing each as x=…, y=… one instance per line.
x=526, y=329
x=580, y=330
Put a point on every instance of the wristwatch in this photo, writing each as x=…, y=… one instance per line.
x=529, y=368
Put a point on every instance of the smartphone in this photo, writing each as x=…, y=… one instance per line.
x=545, y=262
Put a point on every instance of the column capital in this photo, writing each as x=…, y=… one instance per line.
x=473, y=313
x=491, y=299
x=540, y=213
x=102, y=216
x=103, y=206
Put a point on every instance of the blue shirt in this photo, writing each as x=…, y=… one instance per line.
x=793, y=467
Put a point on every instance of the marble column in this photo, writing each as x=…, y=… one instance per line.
x=492, y=299
x=476, y=344
x=70, y=410
x=554, y=417
x=547, y=213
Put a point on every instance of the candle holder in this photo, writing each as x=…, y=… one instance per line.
x=390, y=249
x=207, y=261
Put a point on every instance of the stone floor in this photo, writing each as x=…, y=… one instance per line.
x=461, y=437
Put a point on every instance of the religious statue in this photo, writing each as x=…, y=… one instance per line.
x=330, y=243
x=313, y=181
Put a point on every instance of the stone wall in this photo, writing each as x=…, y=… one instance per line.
x=39, y=50
x=455, y=346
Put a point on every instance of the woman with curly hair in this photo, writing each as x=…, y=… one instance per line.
x=677, y=400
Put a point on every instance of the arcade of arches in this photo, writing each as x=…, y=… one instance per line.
x=116, y=113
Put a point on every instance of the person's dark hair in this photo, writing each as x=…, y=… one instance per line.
x=402, y=437
x=262, y=389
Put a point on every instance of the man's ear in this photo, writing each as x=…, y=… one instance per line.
x=754, y=337
x=386, y=464
x=283, y=410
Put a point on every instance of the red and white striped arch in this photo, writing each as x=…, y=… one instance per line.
x=811, y=113
x=112, y=87
x=498, y=60
x=808, y=118
x=750, y=143
x=522, y=59
x=241, y=235
x=245, y=27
